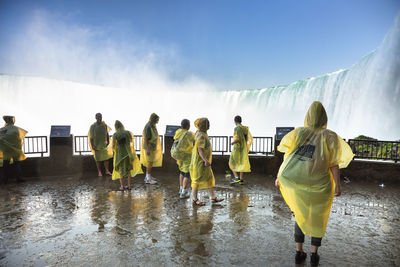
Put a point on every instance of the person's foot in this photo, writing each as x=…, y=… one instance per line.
x=241, y=181
x=184, y=194
x=300, y=257
x=108, y=173
x=149, y=180
x=100, y=174
x=216, y=200
x=235, y=180
x=198, y=202
x=314, y=259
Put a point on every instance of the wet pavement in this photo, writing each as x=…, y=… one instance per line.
x=71, y=221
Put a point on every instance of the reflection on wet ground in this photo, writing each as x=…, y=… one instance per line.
x=85, y=221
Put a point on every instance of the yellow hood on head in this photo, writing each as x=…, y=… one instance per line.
x=316, y=116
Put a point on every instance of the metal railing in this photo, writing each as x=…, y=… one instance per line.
x=219, y=144
x=374, y=149
x=261, y=145
x=81, y=143
x=35, y=145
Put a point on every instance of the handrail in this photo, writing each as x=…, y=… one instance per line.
x=35, y=145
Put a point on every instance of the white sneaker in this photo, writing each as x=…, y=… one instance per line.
x=150, y=181
x=184, y=194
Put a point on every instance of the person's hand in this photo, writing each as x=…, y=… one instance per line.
x=338, y=191
x=277, y=183
x=207, y=163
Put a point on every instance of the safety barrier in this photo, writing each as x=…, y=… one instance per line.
x=35, y=145
x=363, y=149
x=374, y=149
x=219, y=144
x=81, y=143
x=261, y=145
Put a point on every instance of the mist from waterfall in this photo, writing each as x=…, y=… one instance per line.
x=363, y=99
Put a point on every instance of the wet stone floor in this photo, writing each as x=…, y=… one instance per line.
x=84, y=221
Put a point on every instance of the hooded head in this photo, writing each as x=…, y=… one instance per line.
x=154, y=118
x=202, y=124
x=316, y=116
x=9, y=119
x=119, y=126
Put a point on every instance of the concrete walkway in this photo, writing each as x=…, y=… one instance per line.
x=71, y=221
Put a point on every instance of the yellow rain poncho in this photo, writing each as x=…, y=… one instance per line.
x=99, y=133
x=305, y=179
x=202, y=176
x=182, y=149
x=151, y=134
x=11, y=140
x=239, y=159
x=126, y=162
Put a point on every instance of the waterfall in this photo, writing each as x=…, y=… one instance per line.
x=363, y=99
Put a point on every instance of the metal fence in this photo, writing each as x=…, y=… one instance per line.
x=81, y=143
x=363, y=149
x=374, y=149
x=262, y=145
x=35, y=145
x=219, y=144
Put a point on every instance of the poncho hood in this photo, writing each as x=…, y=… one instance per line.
x=316, y=116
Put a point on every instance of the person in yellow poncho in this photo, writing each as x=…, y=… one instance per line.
x=309, y=177
x=11, y=140
x=239, y=159
x=126, y=162
x=200, y=165
x=182, y=151
x=151, y=151
x=99, y=141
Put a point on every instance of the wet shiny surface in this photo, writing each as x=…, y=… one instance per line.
x=70, y=221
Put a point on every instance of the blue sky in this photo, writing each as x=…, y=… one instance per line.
x=230, y=44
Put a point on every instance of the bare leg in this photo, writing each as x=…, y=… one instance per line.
x=241, y=176
x=148, y=169
x=194, y=194
x=106, y=166
x=98, y=165
x=181, y=181
x=211, y=192
x=121, y=180
x=299, y=246
x=235, y=174
x=314, y=249
x=129, y=182
x=185, y=183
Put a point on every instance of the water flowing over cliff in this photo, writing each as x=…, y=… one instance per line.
x=364, y=99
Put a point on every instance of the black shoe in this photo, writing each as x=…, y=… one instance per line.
x=314, y=259
x=300, y=257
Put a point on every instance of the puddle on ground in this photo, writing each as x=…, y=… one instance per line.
x=73, y=221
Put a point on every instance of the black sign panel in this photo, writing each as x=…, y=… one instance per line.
x=171, y=129
x=60, y=131
x=282, y=131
